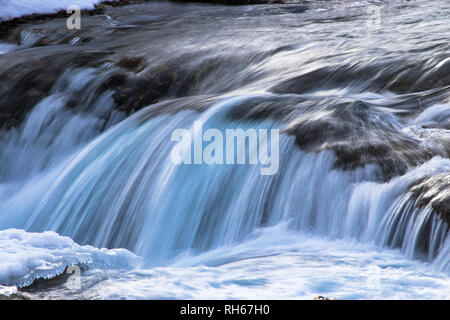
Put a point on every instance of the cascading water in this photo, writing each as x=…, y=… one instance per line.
x=362, y=171
x=123, y=190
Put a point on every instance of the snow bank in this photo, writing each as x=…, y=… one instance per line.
x=10, y=9
x=26, y=256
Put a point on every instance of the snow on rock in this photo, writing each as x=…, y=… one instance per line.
x=10, y=9
x=26, y=256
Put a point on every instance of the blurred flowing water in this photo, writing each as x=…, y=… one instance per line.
x=360, y=93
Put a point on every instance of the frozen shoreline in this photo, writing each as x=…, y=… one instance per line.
x=27, y=256
x=11, y=9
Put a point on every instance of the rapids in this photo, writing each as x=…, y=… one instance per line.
x=362, y=103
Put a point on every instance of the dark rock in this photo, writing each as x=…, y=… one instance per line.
x=233, y=2
x=434, y=192
x=322, y=298
x=358, y=133
x=25, y=82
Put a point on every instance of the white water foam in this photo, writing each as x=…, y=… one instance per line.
x=7, y=47
x=276, y=263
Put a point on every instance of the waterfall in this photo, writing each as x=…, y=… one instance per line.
x=269, y=151
x=123, y=191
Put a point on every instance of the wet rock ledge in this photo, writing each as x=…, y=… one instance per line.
x=434, y=192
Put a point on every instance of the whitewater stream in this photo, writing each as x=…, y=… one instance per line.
x=359, y=205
